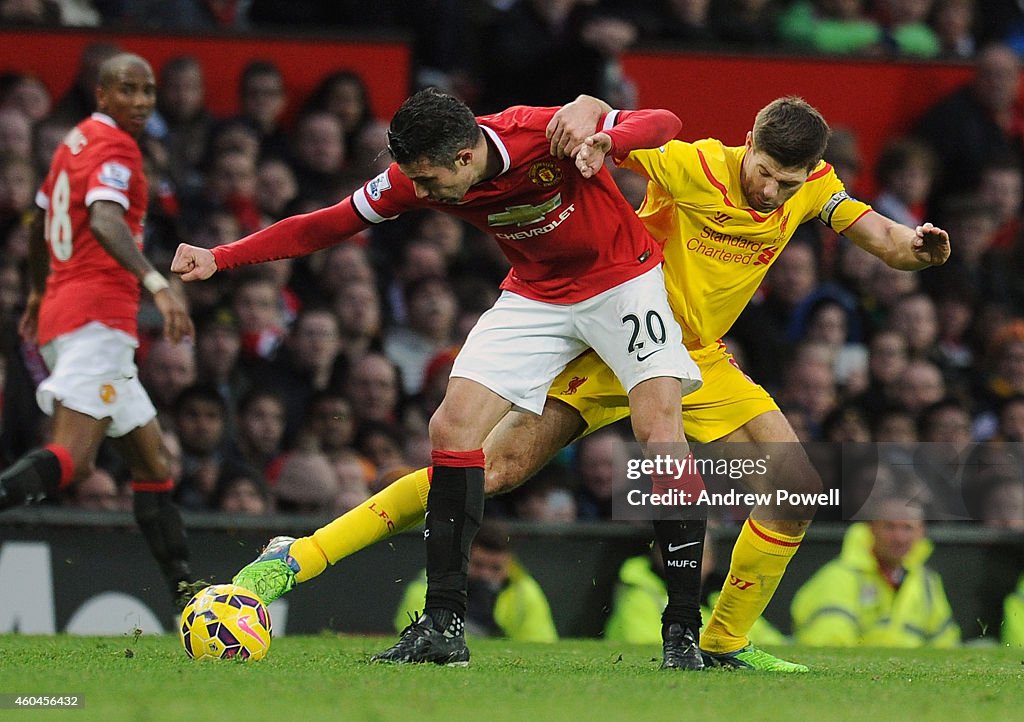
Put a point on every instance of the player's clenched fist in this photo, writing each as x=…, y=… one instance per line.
x=193, y=263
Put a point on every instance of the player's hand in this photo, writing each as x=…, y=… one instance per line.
x=591, y=153
x=28, y=325
x=931, y=245
x=193, y=263
x=177, y=324
x=571, y=125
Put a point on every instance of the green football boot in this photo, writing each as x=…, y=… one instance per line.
x=750, y=657
x=272, y=574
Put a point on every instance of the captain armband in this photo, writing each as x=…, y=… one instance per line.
x=825, y=216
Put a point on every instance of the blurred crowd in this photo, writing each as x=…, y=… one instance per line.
x=310, y=382
x=574, y=44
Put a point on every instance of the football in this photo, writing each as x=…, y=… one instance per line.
x=225, y=621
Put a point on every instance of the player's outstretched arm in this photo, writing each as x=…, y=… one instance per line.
x=106, y=221
x=900, y=246
x=288, y=238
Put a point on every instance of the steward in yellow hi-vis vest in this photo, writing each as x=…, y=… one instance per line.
x=518, y=611
x=852, y=602
x=1013, y=617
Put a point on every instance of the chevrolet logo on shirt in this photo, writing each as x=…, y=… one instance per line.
x=526, y=214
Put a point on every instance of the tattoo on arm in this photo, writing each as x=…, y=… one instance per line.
x=106, y=220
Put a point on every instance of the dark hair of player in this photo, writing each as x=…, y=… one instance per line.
x=432, y=126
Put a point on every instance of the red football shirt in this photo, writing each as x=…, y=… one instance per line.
x=568, y=237
x=95, y=161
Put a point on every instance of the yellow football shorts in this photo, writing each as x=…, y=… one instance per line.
x=727, y=400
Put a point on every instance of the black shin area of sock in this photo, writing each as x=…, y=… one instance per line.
x=682, y=548
x=31, y=478
x=160, y=521
x=455, y=507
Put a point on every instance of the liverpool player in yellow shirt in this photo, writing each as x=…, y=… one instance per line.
x=724, y=214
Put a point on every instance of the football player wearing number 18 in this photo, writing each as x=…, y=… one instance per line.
x=584, y=270
x=86, y=264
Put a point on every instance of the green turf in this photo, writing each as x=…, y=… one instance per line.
x=327, y=677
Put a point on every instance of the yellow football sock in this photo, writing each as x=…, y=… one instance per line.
x=759, y=560
x=397, y=506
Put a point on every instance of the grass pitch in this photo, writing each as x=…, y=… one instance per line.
x=328, y=677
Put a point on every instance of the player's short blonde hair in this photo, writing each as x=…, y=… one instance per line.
x=111, y=68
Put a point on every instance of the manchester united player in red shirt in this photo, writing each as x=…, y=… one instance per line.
x=82, y=311
x=585, y=273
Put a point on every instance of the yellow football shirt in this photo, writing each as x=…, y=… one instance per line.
x=717, y=250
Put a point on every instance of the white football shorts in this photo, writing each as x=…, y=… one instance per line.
x=92, y=371
x=519, y=345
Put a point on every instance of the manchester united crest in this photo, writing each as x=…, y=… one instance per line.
x=108, y=394
x=546, y=173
